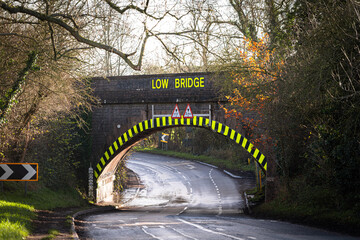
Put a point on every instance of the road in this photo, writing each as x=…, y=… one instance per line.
x=180, y=199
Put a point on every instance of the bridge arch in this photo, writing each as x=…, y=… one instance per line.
x=143, y=129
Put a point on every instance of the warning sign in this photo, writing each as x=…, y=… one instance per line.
x=176, y=112
x=164, y=138
x=188, y=113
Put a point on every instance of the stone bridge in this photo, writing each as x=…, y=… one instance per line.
x=128, y=100
x=133, y=107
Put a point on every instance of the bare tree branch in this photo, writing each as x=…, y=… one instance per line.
x=128, y=7
x=15, y=34
x=75, y=33
x=65, y=16
x=184, y=35
x=167, y=48
x=72, y=49
x=12, y=21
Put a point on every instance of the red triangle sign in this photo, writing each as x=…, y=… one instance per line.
x=188, y=113
x=176, y=112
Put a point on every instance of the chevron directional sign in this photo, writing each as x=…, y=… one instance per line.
x=19, y=171
x=164, y=138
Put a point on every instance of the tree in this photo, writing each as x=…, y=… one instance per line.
x=9, y=99
x=72, y=18
x=255, y=85
x=324, y=75
x=36, y=83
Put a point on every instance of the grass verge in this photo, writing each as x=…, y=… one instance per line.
x=346, y=221
x=52, y=234
x=221, y=163
x=17, y=210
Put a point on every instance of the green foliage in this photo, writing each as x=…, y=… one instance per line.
x=17, y=211
x=315, y=118
x=35, y=102
x=120, y=177
x=10, y=97
x=316, y=206
x=54, y=151
x=62, y=152
x=220, y=162
x=15, y=219
x=258, y=195
x=12, y=231
x=314, y=114
x=202, y=144
x=82, y=152
x=69, y=220
x=45, y=198
x=52, y=234
x=334, y=159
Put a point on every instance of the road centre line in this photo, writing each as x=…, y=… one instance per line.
x=217, y=190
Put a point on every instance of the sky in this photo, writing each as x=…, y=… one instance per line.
x=127, y=33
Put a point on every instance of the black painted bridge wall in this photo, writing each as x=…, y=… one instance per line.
x=127, y=100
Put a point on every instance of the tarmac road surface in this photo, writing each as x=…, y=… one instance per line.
x=181, y=199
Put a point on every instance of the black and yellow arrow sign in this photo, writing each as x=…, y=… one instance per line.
x=19, y=171
x=164, y=137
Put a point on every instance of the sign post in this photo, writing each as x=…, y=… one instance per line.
x=91, y=182
x=164, y=140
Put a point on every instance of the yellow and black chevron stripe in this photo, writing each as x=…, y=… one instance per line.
x=163, y=122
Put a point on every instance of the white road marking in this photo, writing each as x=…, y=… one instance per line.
x=232, y=175
x=208, y=230
x=217, y=190
x=206, y=164
x=152, y=235
x=185, y=235
x=190, y=166
x=185, y=208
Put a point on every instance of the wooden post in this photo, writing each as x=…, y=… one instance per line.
x=260, y=178
x=256, y=175
x=270, y=189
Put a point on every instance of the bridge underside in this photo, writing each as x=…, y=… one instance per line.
x=117, y=151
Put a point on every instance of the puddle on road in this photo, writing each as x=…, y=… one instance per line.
x=140, y=198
